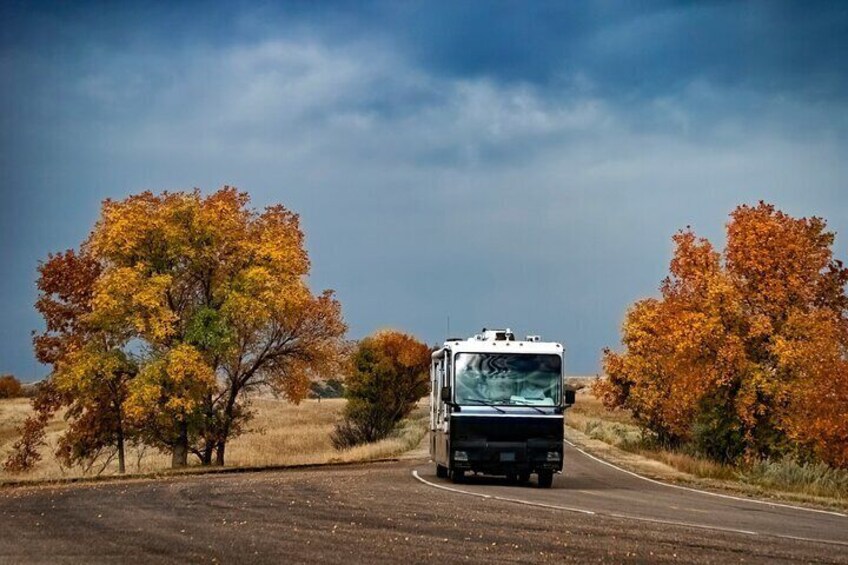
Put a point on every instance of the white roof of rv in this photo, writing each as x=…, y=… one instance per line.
x=491, y=346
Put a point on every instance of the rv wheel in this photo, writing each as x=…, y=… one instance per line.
x=546, y=479
x=524, y=477
x=458, y=475
x=441, y=471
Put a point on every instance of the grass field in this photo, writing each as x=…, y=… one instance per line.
x=281, y=434
x=618, y=429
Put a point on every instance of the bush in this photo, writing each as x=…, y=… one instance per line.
x=389, y=375
x=10, y=387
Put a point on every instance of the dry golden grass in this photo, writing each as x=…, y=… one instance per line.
x=280, y=434
x=285, y=434
x=696, y=466
x=589, y=406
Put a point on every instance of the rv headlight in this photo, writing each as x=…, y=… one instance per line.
x=460, y=456
x=553, y=455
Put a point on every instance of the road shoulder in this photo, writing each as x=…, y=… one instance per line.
x=658, y=471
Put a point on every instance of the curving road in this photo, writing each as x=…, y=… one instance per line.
x=399, y=511
x=594, y=487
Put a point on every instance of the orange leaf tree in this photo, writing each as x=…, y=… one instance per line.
x=744, y=353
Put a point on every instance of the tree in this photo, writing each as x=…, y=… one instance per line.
x=180, y=305
x=389, y=374
x=91, y=368
x=745, y=351
x=10, y=387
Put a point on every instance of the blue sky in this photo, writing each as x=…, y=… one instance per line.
x=506, y=163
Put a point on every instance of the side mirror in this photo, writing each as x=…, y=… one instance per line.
x=569, y=397
x=446, y=394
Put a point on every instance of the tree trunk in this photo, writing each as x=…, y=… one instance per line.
x=210, y=432
x=219, y=453
x=225, y=431
x=207, y=453
x=179, y=456
x=117, y=403
x=122, y=466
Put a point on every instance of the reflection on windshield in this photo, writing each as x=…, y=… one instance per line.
x=508, y=378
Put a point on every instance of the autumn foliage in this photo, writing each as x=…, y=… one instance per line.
x=388, y=375
x=175, y=308
x=10, y=387
x=745, y=354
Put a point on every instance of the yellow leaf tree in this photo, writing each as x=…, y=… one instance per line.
x=206, y=300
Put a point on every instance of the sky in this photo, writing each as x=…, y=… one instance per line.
x=518, y=164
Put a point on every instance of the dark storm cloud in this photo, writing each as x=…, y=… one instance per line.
x=511, y=163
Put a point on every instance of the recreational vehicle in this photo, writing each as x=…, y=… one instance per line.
x=496, y=407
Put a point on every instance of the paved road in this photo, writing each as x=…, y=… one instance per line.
x=591, y=485
x=382, y=513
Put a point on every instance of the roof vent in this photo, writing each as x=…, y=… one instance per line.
x=534, y=338
x=496, y=335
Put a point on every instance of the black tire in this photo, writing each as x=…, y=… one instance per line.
x=441, y=471
x=524, y=478
x=546, y=479
x=457, y=475
x=512, y=478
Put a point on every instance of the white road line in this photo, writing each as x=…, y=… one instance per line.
x=815, y=540
x=706, y=492
x=626, y=516
x=443, y=487
x=684, y=524
x=501, y=498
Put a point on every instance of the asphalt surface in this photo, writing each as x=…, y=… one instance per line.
x=400, y=512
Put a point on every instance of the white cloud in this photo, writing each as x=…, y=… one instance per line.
x=425, y=195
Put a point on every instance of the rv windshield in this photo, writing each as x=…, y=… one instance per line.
x=508, y=378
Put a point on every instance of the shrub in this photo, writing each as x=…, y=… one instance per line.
x=389, y=375
x=10, y=387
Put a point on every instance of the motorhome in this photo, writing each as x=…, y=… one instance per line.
x=496, y=407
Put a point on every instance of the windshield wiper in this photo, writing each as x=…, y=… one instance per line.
x=533, y=406
x=489, y=404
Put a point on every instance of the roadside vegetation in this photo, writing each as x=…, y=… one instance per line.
x=739, y=368
x=814, y=481
x=165, y=320
x=388, y=376
x=281, y=433
x=171, y=332
x=10, y=387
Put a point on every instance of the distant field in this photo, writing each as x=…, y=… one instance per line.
x=578, y=382
x=281, y=434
